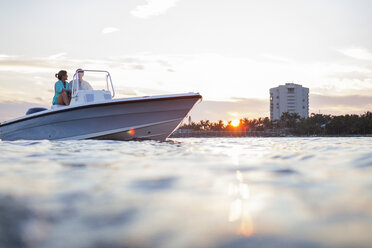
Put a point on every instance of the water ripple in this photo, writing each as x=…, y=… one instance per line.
x=209, y=192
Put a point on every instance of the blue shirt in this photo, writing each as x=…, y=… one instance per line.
x=58, y=86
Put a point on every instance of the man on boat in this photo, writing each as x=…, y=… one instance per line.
x=83, y=85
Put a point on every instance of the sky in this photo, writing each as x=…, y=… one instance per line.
x=230, y=51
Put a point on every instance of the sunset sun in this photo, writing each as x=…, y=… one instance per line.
x=235, y=123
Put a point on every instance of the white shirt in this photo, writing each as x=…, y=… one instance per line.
x=83, y=85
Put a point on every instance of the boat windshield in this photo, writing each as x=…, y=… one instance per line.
x=91, y=80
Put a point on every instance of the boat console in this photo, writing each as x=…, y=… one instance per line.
x=82, y=97
x=90, y=96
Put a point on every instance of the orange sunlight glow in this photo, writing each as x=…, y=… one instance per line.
x=235, y=123
x=238, y=208
x=131, y=131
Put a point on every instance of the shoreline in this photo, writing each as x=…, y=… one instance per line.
x=237, y=134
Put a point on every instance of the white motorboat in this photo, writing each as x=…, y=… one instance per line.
x=94, y=114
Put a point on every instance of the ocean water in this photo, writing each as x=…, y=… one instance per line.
x=192, y=192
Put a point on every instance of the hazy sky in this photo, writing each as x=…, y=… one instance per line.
x=231, y=51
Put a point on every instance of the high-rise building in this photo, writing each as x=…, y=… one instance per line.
x=291, y=98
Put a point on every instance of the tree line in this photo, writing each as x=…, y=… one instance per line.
x=292, y=123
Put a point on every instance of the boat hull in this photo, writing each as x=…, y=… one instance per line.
x=153, y=118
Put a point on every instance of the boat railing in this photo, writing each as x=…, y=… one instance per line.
x=75, y=88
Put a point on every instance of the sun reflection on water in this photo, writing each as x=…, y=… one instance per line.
x=288, y=192
x=239, y=210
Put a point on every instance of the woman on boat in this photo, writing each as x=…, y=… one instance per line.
x=62, y=94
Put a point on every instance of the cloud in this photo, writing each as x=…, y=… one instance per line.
x=141, y=59
x=57, y=56
x=356, y=101
x=6, y=56
x=124, y=91
x=48, y=64
x=276, y=58
x=229, y=110
x=138, y=67
x=340, y=105
x=357, y=53
x=153, y=8
x=355, y=75
x=109, y=30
